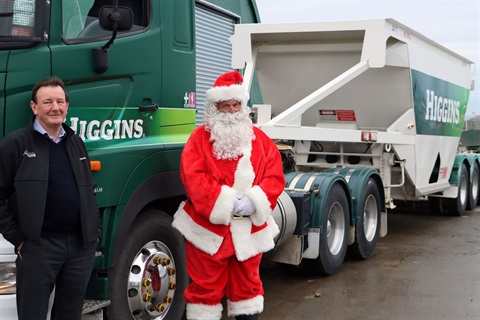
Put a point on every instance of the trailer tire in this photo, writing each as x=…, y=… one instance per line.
x=155, y=252
x=368, y=226
x=457, y=206
x=473, y=190
x=334, y=235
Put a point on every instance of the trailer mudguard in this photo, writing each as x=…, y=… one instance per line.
x=319, y=183
x=472, y=159
x=457, y=168
x=357, y=179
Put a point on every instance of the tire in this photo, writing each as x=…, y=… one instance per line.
x=457, y=206
x=152, y=263
x=334, y=234
x=368, y=226
x=473, y=190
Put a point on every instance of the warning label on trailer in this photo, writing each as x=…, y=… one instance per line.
x=337, y=115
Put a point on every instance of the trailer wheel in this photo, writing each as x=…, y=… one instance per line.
x=458, y=205
x=367, y=228
x=334, y=234
x=150, y=277
x=473, y=191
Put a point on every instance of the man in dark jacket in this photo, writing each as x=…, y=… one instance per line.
x=47, y=207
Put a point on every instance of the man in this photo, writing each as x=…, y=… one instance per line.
x=232, y=173
x=47, y=208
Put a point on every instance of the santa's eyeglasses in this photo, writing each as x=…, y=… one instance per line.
x=229, y=105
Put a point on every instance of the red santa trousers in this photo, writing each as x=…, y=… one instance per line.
x=213, y=277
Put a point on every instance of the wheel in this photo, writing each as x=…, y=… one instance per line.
x=334, y=234
x=150, y=277
x=473, y=191
x=458, y=205
x=368, y=226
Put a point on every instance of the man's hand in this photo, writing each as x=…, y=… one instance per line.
x=243, y=207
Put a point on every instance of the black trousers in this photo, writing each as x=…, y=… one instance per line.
x=63, y=263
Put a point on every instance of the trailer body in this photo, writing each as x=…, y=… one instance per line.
x=372, y=101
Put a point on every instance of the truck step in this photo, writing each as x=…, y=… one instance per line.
x=94, y=305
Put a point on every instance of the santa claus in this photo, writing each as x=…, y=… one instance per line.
x=232, y=173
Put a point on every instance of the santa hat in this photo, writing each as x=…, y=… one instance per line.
x=228, y=86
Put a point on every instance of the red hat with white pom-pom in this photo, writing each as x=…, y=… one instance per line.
x=228, y=86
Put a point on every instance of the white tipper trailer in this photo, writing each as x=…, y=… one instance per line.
x=367, y=113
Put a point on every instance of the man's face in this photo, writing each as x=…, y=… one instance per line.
x=51, y=106
x=229, y=106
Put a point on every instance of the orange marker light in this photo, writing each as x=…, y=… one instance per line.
x=95, y=165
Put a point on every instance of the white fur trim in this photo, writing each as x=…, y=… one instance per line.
x=262, y=205
x=200, y=237
x=244, y=174
x=273, y=227
x=198, y=311
x=223, y=208
x=225, y=93
x=248, y=244
x=245, y=307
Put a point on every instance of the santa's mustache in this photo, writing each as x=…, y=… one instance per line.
x=230, y=133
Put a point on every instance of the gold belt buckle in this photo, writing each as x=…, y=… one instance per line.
x=234, y=217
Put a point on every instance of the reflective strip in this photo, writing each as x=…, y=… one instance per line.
x=310, y=180
x=294, y=181
x=349, y=174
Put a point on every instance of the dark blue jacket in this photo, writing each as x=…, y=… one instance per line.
x=24, y=162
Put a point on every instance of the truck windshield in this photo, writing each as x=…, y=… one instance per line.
x=21, y=21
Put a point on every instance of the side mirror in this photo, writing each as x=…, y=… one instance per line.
x=111, y=19
x=123, y=17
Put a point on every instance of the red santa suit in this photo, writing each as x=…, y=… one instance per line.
x=223, y=252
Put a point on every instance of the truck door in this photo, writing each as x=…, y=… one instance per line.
x=124, y=83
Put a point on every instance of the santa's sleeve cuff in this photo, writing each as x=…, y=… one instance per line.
x=262, y=205
x=223, y=207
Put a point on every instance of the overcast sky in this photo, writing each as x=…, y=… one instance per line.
x=453, y=24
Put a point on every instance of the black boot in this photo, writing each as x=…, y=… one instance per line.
x=247, y=317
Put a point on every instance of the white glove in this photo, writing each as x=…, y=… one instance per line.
x=243, y=207
x=236, y=204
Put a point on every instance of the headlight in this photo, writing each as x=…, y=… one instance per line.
x=8, y=278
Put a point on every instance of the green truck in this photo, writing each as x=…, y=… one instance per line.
x=136, y=72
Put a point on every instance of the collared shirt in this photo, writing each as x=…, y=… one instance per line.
x=38, y=127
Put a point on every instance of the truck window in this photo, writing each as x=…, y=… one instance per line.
x=80, y=18
x=17, y=18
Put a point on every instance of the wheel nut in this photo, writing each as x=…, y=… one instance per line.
x=171, y=271
x=160, y=307
x=147, y=282
x=147, y=297
x=172, y=286
x=168, y=299
x=165, y=261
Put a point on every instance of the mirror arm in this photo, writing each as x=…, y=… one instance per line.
x=100, y=55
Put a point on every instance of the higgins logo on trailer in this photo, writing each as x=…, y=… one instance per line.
x=442, y=109
x=107, y=129
x=439, y=105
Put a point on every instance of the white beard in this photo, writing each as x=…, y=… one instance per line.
x=230, y=132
